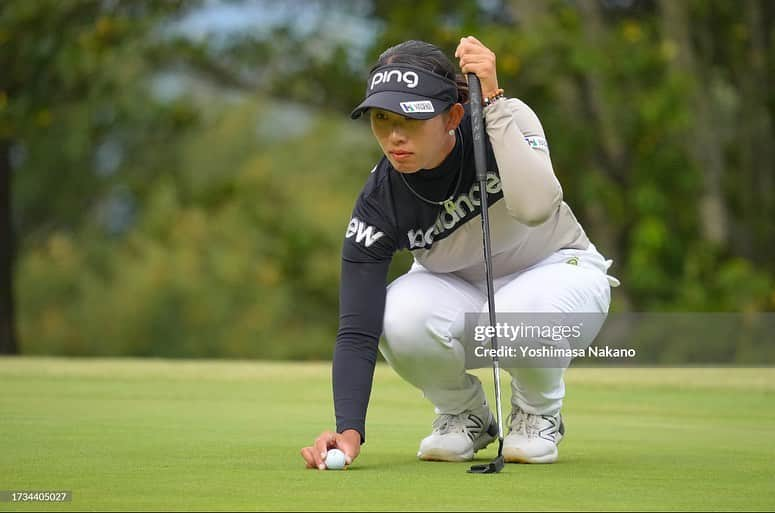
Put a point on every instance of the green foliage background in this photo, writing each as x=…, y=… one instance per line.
x=208, y=223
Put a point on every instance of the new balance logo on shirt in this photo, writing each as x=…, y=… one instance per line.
x=465, y=204
x=364, y=234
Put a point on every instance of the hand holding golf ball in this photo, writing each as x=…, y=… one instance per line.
x=335, y=459
x=333, y=451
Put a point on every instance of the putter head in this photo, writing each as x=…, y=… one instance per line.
x=493, y=467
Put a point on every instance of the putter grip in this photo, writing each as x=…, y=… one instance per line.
x=477, y=125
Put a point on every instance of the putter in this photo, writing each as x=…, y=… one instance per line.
x=480, y=162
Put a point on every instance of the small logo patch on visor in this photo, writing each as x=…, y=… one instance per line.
x=418, y=106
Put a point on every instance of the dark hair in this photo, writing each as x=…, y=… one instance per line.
x=426, y=56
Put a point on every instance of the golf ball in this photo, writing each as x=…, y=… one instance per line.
x=335, y=459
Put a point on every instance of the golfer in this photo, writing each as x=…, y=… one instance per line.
x=423, y=196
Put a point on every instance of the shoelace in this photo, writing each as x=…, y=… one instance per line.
x=517, y=420
x=447, y=422
x=521, y=421
x=533, y=425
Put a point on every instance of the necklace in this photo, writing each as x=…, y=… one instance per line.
x=448, y=204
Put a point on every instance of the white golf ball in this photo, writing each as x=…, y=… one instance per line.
x=335, y=459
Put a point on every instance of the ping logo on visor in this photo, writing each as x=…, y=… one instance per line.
x=410, y=78
x=407, y=90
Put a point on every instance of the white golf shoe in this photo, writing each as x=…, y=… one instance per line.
x=533, y=438
x=458, y=437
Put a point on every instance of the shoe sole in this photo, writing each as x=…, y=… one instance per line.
x=513, y=455
x=441, y=455
x=517, y=456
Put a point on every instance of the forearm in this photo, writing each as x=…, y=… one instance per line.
x=530, y=188
x=362, y=306
x=352, y=377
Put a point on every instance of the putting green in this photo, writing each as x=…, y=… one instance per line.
x=216, y=435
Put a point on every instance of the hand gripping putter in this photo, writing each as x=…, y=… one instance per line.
x=477, y=124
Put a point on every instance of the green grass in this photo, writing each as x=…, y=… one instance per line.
x=200, y=435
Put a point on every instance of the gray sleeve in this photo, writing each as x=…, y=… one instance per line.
x=530, y=188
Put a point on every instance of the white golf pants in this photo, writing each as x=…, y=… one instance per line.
x=424, y=339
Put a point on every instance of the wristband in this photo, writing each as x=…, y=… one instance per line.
x=494, y=97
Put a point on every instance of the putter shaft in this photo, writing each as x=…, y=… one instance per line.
x=477, y=125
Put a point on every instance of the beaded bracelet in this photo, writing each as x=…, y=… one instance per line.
x=494, y=97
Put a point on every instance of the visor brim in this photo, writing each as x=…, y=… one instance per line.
x=408, y=105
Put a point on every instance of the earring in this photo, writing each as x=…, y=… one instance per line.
x=451, y=132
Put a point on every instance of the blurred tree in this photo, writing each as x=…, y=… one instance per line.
x=74, y=113
x=231, y=257
x=7, y=318
x=705, y=144
x=225, y=242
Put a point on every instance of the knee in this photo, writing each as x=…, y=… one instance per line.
x=416, y=329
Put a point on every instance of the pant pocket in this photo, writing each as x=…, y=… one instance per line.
x=590, y=258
